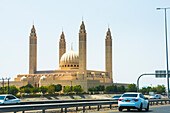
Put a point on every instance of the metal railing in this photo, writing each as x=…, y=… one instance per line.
x=63, y=106
x=43, y=107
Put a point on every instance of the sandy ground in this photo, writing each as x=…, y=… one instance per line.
x=74, y=97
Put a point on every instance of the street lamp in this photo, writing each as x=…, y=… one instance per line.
x=166, y=46
x=3, y=83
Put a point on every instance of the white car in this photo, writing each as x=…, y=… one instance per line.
x=8, y=99
x=133, y=101
x=158, y=96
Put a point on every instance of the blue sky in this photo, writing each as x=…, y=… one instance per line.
x=137, y=30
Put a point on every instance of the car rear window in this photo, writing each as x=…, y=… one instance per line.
x=2, y=97
x=130, y=95
x=116, y=96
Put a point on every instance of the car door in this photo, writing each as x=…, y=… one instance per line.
x=12, y=99
x=142, y=100
x=145, y=101
x=7, y=100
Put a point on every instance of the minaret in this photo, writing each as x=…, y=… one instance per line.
x=82, y=52
x=33, y=51
x=62, y=46
x=108, y=52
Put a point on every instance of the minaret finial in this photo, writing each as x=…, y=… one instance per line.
x=82, y=18
x=72, y=46
x=62, y=28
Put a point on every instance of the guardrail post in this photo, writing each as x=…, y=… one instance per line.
x=110, y=106
x=161, y=102
x=89, y=107
x=83, y=109
x=65, y=110
x=157, y=102
x=23, y=111
x=165, y=102
x=15, y=112
x=43, y=111
x=98, y=107
x=61, y=110
x=77, y=108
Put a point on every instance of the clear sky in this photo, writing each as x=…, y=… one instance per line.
x=137, y=30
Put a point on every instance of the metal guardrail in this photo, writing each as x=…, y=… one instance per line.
x=55, y=101
x=71, y=104
x=159, y=101
x=43, y=107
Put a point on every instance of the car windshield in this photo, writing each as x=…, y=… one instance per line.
x=130, y=95
x=2, y=97
x=116, y=96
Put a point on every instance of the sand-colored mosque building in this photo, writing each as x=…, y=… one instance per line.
x=72, y=66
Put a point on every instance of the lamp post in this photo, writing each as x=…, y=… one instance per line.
x=165, y=9
x=3, y=83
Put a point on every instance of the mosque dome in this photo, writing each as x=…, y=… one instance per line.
x=69, y=60
x=23, y=78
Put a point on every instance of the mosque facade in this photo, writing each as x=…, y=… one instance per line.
x=72, y=65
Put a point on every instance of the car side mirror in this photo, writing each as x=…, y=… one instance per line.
x=6, y=99
x=146, y=98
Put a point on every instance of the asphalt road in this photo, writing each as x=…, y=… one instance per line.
x=158, y=109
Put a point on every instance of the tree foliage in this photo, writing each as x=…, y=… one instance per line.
x=51, y=89
x=121, y=89
x=27, y=86
x=132, y=88
x=100, y=88
x=77, y=89
x=35, y=90
x=43, y=89
x=13, y=90
x=67, y=89
x=112, y=88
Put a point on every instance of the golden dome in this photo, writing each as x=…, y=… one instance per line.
x=69, y=60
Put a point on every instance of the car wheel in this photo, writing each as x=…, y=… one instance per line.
x=140, y=109
x=147, y=109
x=120, y=109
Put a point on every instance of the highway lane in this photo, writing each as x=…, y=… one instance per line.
x=154, y=109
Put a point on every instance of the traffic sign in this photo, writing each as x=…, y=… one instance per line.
x=161, y=73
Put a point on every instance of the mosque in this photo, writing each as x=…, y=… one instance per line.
x=72, y=66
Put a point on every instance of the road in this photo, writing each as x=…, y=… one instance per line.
x=155, y=109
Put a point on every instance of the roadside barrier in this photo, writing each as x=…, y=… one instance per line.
x=64, y=105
